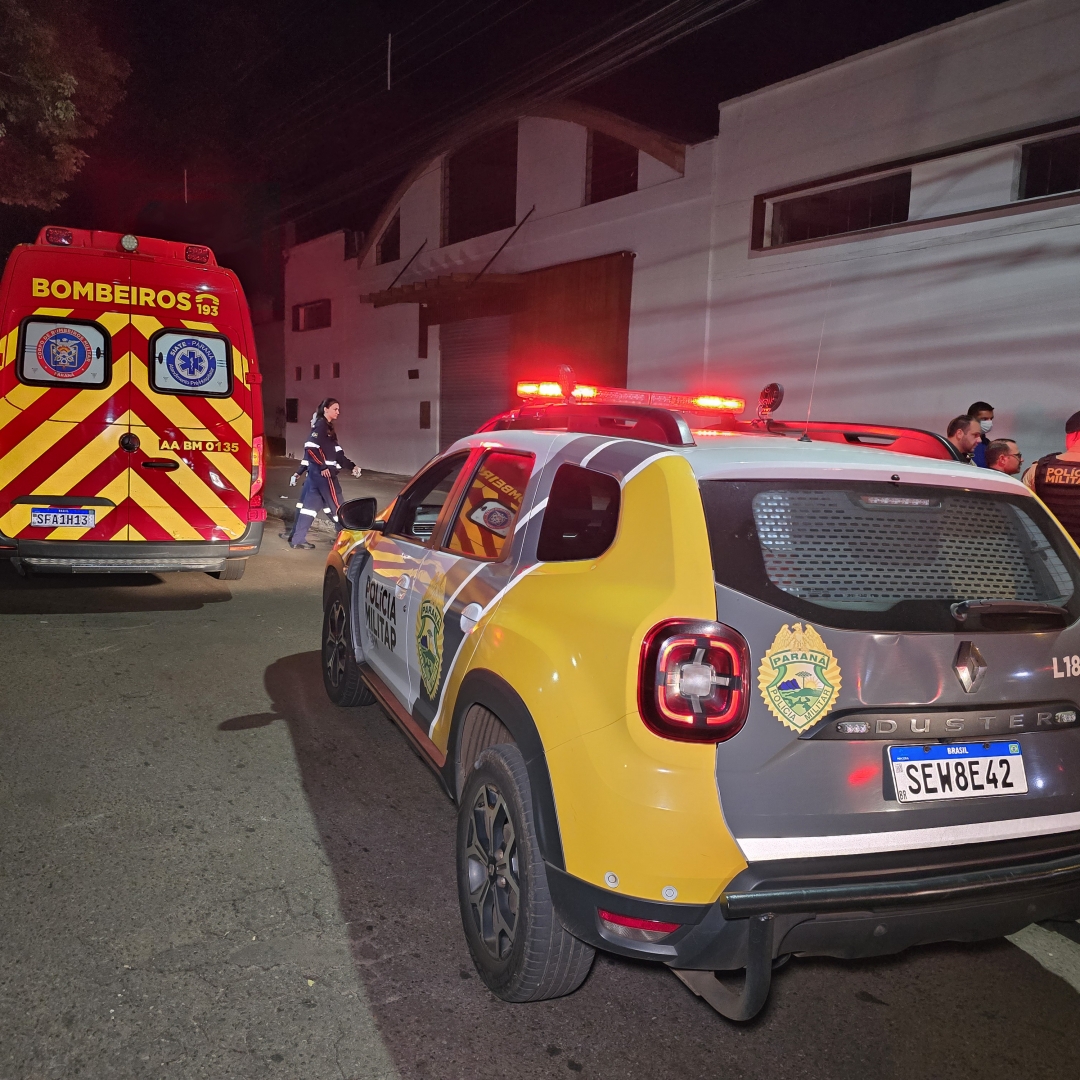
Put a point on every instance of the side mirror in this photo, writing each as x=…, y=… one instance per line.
x=358, y=514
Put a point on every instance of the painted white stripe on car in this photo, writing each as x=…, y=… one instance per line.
x=592, y=453
x=765, y=848
x=490, y=604
x=648, y=461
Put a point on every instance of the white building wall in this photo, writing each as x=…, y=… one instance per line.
x=913, y=324
x=551, y=166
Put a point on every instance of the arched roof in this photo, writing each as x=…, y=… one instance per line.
x=664, y=148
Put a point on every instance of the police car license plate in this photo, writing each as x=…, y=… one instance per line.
x=957, y=771
x=57, y=517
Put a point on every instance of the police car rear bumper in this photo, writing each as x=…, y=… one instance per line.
x=850, y=907
x=129, y=556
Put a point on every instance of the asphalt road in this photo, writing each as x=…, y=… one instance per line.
x=207, y=870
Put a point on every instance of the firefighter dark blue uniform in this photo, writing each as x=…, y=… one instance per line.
x=320, y=494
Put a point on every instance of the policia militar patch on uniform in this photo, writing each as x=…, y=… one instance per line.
x=799, y=677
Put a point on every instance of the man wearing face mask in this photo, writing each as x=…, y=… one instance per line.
x=984, y=413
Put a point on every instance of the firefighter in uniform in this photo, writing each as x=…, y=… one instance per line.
x=1056, y=479
x=322, y=463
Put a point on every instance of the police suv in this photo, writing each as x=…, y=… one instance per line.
x=714, y=697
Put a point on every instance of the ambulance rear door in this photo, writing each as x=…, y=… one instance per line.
x=64, y=396
x=191, y=405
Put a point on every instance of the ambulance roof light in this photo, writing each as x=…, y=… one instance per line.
x=196, y=253
x=59, y=237
x=129, y=243
x=610, y=395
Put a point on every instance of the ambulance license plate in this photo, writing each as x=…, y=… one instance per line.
x=58, y=517
x=957, y=771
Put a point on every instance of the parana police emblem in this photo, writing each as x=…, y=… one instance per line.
x=799, y=677
x=429, y=635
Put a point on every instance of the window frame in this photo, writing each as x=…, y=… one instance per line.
x=298, y=320
x=151, y=362
x=393, y=519
x=482, y=454
x=61, y=383
x=547, y=509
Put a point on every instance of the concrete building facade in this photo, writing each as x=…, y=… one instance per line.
x=902, y=226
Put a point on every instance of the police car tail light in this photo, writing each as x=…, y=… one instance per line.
x=257, y=471
x=614, y=395
x=60, y=237
x=196, y=253
x=693, y=681
x=627, y=926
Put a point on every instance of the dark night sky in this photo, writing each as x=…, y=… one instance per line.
x=281, y=112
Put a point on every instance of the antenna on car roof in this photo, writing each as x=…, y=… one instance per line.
x=805, y=437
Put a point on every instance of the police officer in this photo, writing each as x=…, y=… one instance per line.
x=323, y=461
x=1056, y=479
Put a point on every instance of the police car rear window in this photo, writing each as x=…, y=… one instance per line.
x=884, y=557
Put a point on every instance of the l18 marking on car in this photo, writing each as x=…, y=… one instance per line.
x=957, y=771
x=56, y=517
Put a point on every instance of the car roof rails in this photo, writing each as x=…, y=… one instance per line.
x=643, y=422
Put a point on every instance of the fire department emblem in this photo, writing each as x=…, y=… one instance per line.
x=429, y=635
x=191, y=362
x=64, y=353
x=493, y=516
x=799, y=677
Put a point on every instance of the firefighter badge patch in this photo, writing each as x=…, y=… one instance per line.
x=429, y=635
x=799, y=677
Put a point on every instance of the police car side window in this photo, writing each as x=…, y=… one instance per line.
x=64, y=352
x=485, y=520
x=581, y=517
x=191, y=362
x=417, y=509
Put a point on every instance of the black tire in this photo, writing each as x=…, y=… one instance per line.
x=519, y=946
x=234, y=570
x=340, y=671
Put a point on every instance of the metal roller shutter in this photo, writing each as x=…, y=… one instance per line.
x=474, y=375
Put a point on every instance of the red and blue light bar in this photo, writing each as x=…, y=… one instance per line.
x=612, y=395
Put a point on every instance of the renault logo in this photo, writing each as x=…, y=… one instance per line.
x=969, y=666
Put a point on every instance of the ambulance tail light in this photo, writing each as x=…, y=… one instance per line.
x=612, y=395
x=694, y=681
x=60, y=237
x=258, y=471
x=634, y=929
x=196, y=253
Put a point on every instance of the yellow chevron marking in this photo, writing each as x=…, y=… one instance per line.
x=232, y=470
x=192, y=325
x=150, y=501
x=113, y=321
x=8, y=347
x=147, y=325
x=199, y=492
x=62, y=481
x=22, y=397
x=86, y=401
x=55, y=312
x=134, y=534
x=182, y=417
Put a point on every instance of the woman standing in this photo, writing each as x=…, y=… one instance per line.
x=323, y=461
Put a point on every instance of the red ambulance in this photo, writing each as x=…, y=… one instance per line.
x=131, y=434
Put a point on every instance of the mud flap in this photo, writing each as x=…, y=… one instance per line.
x=746, y=1003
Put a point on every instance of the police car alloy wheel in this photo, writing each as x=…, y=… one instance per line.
x=341, y=674
x=516, y=940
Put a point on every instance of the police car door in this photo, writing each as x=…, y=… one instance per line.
x=386, y=580
x=460, y=578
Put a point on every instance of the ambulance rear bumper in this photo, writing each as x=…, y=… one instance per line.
x=130, y=557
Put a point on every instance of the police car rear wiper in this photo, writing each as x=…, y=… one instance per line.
x=965, y=608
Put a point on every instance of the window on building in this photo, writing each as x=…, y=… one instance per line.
x=388, y=249
x=425, y=415
x=292, y=410
x=414, y=373
x=337, y=370
x=851, y=208
x=1050, y=167
x=354, y=241
x=316, y=371
x=480, y=186
x=312, y=316
x=299, y=371
x=611, y=168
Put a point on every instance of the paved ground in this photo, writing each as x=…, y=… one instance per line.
x=208, y=871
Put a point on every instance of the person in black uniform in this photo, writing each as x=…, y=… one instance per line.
x=322, y=463
x=1056, y=479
